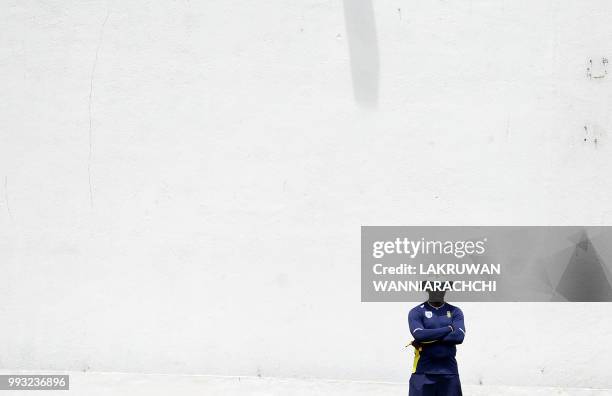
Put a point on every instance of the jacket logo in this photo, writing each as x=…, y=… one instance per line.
x=428, y=314
x=448, y=314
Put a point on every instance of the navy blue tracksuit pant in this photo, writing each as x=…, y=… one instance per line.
x=435, y=385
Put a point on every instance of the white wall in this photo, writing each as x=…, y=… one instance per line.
x=231, y=168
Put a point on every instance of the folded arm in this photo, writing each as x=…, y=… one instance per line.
x=458, y=334
x=423, y=335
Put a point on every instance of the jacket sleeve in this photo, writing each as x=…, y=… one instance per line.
x=458, y=334
x=420, y=333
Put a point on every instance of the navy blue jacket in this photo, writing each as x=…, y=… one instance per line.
x=438, y=330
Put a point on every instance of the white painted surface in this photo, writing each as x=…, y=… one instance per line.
x=231, y=169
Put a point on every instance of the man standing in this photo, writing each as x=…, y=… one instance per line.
x=437, y=327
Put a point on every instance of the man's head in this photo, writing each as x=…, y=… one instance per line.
x=438, y=290
x=436, y=296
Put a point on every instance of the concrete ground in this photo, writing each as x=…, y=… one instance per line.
x=132, y=384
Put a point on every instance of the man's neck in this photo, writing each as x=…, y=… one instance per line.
x=436, y=304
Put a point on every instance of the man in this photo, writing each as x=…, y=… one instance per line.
x=437, y=327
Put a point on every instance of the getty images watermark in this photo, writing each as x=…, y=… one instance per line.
x=422, y=247
x=486, y=263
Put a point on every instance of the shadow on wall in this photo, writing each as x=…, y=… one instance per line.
x=363, y=50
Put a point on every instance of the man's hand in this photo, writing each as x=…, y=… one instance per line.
x=415, y=344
